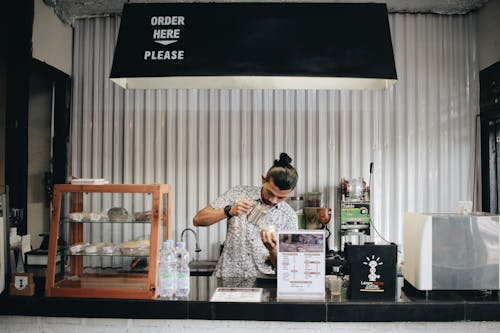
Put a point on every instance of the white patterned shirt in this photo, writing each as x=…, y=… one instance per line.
x=244, y=254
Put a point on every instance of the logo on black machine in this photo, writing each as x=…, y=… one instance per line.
x=372, y=285
x=373, y=263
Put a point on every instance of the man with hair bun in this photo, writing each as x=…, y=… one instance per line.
x=249, y=248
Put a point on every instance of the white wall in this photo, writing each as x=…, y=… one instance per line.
x=52, y=39
x=488, y=34
x=419, y=134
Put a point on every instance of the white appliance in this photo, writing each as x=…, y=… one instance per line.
x=452, y=251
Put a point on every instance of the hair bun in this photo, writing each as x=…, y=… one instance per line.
x=284, y=160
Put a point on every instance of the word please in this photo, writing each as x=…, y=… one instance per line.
x=164, y=55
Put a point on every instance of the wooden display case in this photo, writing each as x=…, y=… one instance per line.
x=110, y=273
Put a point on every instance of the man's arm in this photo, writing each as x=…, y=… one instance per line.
x=210, y=215
x=273, y=256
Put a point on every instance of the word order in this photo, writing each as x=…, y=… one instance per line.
x=164, y=55
x=167, y=20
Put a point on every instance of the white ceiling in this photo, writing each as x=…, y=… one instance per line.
x=68, y=10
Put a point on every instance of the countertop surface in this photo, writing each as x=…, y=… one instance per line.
x=412, y=305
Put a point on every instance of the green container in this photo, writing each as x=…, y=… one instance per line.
x=300, y=220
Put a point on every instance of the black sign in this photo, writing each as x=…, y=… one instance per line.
x=254, y=39
x=372, y=271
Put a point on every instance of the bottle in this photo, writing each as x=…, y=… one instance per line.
x=166, y=270
x=345, y=286
x=182, y=271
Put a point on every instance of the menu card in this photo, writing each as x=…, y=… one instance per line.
x=237, y=295
x=301, y=264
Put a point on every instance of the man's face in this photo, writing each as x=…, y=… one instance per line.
x=271, y=194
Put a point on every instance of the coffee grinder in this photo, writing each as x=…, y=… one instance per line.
x=316, y=216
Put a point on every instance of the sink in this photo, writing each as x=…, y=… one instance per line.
x=202, y=267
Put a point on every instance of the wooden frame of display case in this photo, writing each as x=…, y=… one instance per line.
x=136, y=286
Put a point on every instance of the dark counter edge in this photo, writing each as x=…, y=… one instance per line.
x=266, y=311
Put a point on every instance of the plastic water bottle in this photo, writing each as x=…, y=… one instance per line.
x=166, y=270
x=182, y=271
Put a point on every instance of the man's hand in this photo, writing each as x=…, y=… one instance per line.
x=241, y=208
x=268, y=236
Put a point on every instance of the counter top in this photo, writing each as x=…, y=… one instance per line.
x=413, y=305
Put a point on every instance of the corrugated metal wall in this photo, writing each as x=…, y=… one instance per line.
x=420, y=134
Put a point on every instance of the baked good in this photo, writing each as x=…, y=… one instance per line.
x=118, y=214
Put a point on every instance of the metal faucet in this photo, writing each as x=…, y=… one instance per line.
x=197, y=249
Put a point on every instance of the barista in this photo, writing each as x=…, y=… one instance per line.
x=250, y=249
